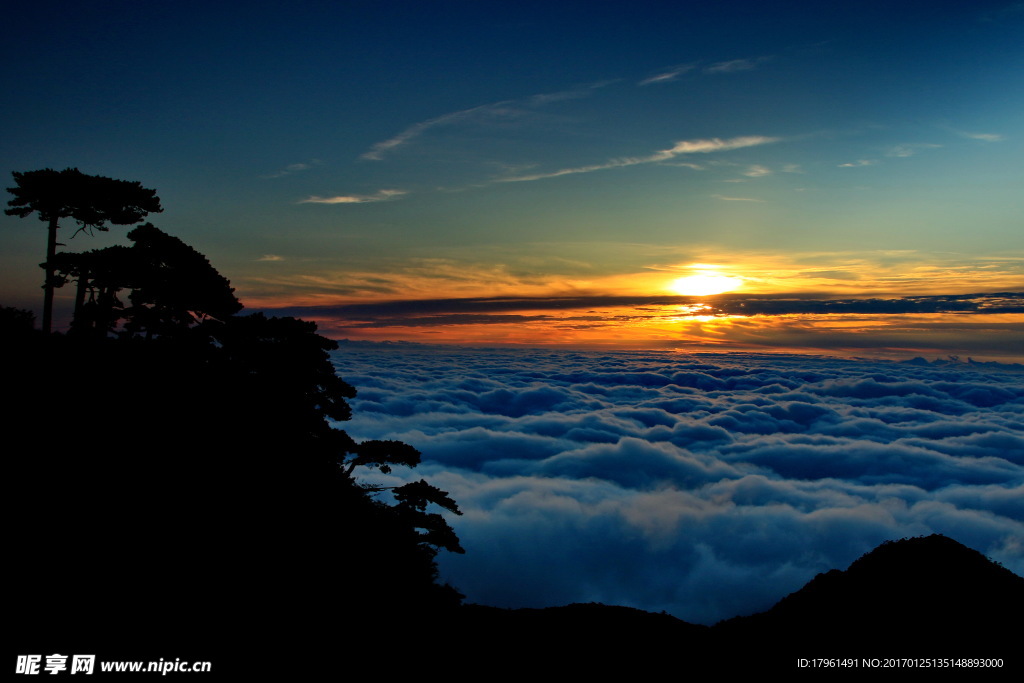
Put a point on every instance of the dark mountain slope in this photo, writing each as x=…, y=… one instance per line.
x=928, y=597
x=918, y=597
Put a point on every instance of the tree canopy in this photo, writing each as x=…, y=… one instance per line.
x=91, y=201
x=172, y=286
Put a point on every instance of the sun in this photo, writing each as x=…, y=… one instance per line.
x=705, y=283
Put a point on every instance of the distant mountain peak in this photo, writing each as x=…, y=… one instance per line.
x=924, y=593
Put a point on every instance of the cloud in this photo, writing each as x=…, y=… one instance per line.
x=987, y=137
x=270, y=257
x=378, y=150
x=727, y=304
x=291, y=169
x=717, y=145
x=965, y=325
x=703, y=146
x=564, y=280
x=503, y=110
x=736, y=199
x=667, y=76
x=730, y=66
x=859, y=163
x=380, y=196
x=756, y=171
x=910, y=149
x=833, y=274
x=734, y=65
x=707, y=485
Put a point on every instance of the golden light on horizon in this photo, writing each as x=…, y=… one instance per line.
x=705, y=283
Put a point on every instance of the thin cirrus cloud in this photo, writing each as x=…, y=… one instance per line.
x=292, y=169
x=378, y=150
x=680, y=148
x=735, y=199
x=734, y=65
x=910, y=149
x=668, y=76
x=514, y=108
x=729, y=66
x=974, y=134
x=381, y=196
x=756, y=171
x=505, y=109
x=987, y=137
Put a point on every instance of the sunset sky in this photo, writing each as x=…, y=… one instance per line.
x=701, y=246
x=544, y=173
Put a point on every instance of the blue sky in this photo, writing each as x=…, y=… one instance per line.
x=326, y=154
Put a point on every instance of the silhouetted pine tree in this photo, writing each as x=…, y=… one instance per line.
x=91, y=201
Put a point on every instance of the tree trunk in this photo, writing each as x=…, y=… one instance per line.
x=51, y=251
x=78, y=322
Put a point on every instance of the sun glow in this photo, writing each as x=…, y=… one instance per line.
x=705, y=283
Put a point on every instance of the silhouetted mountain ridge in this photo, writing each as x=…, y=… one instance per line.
x=924, y=597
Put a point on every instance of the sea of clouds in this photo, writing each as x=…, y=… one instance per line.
x=706, y=485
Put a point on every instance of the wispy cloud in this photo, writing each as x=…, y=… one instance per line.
x=715, y=145
x=910, y=149
x=504, y=109
x=382, y=195
x=756, y=171
x=680, y=148
x=377, y=151
x=736, y=199
x=858, y=163
x=291, y=169
x=270, y=257
x=734, y=65
x=731, y=66
x=987, y=137
x=670, y=75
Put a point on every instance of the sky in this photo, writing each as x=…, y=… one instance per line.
x=673, y=225
x=566, y=174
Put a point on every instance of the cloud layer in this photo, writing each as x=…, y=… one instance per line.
x=679, y=148
x=979, y=326
x=704, y=485
x=379, y=196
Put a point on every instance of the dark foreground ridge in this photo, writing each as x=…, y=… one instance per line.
x=925, y=598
